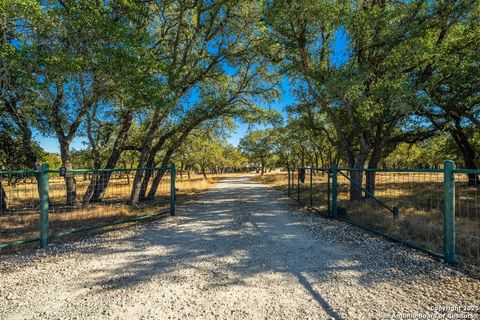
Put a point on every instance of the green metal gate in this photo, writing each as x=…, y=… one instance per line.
x=36, y=205
x=433, y=210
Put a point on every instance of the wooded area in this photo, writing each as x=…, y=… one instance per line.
x=375, y=84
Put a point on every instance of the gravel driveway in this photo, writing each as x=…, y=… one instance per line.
x=239, y=251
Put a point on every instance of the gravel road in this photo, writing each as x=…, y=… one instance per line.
x=239, y=251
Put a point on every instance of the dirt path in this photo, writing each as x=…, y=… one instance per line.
x=238, y=251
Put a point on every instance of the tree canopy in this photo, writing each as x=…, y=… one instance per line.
x=144, y=83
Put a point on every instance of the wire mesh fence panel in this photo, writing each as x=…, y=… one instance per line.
x=467, y=217
x=86, y=199
x=301, y=186
x=404, y=204
x=19, y=206
x=318, y=178
x=343, y=192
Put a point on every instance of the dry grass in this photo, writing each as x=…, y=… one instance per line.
x=198, y=183
x=22, y=220
x=419, y=197
x=25, y=194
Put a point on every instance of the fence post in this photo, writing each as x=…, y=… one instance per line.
x=311, y=187
x=449, y=212
x=44, y=205
x=288, y=169
x=173, y=175
x=292, y=173
x=334, y=189
x=329, y=191
x=298, y=185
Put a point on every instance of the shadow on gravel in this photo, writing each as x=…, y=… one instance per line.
x=230, y=235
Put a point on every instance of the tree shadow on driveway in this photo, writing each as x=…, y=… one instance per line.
x=243, y=234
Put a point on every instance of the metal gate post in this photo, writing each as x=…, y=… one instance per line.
x=311, y=187
x=449, y=212
x=298, y=185
x=334, y=189
x=288, y=170
x=172, y=188
x=329, y=191
x=44, y=206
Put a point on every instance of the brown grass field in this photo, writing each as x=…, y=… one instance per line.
x=21, y=221
x=419, y=197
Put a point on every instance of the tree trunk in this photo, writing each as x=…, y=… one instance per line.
x=148, y=173
x=370, y=183
x=97, y=163
x=22, y=123
x=370, y=177
x=99, y=182
x=3, y=199
x=356, y=181
x=155, y=183
x=381, y=138
x=302, y=158
x=145, y=154
x=65, y=139
x=150, y=164
x=94, y=181
x=71, y=188
x=356, y=175
x=137, y=182
x=168, y=156
x=166, y=159
x=148, y=154
x=70, y=182
x=468, y=153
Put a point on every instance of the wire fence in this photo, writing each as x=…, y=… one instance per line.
x=42, y=204
x=437, y=210
x=467, y=215
x=415, y=206
x=405, y=205
x=19, y=206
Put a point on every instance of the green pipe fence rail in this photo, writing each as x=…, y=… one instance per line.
x=38, y=205
x=434, y=210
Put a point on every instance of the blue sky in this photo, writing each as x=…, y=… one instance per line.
x=339, y=57
x=50, y=144
x=286, y=99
